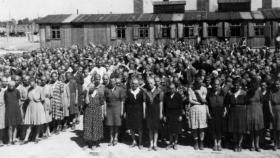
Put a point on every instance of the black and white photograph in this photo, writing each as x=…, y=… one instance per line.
x=140, y=78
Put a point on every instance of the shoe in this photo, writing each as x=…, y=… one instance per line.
x=239, y=149
x=134, y=144
x=175, y=147
x=36, y=141
x=155, y=148
x=215, y=148
x=110, y=144
x=23, y=142
x=201, y=145
x=195, y=145
x=252, y=149
x=93, y=147
x=140, y=147
x=258, y=149
x=169, y=147
x=219, y=148
x=115, y=142
x=150, y=148
x=236, y=149
x=274, y=148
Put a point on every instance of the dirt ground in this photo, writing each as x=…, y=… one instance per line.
x=70, y=145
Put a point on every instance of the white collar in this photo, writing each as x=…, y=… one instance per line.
x=135, y=92
x=153, y=89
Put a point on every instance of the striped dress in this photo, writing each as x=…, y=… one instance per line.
x=56, y=101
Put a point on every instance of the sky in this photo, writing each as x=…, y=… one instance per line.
x=19, y=9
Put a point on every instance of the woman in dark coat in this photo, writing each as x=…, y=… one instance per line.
x=236, y=105
x=93, y=121
x=254, y=113
x=265, y=105
x=173, y=110
x=13, y=116
x=135, y=106
x=114, y=97
x=216, y=105
x=154, y=111
x=274, y=107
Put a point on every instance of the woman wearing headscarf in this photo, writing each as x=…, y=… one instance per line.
x=198, y=112
x=237, y=121
x=94, y=112
x=274, y=108
x=35, y=114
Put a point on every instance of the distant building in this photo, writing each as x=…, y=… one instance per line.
x=234, y=20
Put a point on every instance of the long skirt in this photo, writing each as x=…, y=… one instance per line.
x=217, y=123
x=35, y=114
x=198, y=117
x=255, y=118
x=93, y=124
x=237, y=121
x=276, y=120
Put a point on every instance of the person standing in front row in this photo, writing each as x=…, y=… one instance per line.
x=35, y=112
x=237, y=122
x=274, y=108
x=135, y=105
x=217, y=110
x=2, y=113
x=198, y=112
x=114, y=101
x=13, y=116
x=93, y=119
x=173, y=110
x=154, y=112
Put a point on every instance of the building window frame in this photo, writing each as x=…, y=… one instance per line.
x=144, y=31
x=121, y=31
x=189, y=31
x=166, y=31
x=259, y=29
x=212, y=29
x=55, y=32
x=235, y=29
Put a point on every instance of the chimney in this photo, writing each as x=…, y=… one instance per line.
x=266, y=4
x=138, y=6
x=203, y=5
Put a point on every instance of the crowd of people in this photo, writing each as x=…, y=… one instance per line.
x=218, y=89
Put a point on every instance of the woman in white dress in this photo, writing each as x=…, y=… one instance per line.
x=35, y=113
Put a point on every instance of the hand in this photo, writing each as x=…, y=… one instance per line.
x=124, y=115
x=160, y=116
x=209, y=116
x=164, y=119
x=225, y=113
x=180, y=118
x=144, y=116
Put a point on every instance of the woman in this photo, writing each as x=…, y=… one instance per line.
x=254, y=114
x=114, y=97
x=135, y=106
x=13, y=116
x=274, y=108
x=265, y=95
x=93, y=122
x=73, y=99
x=35, y=114
x=215, y=100
x=198, y=112
x=173, y=110
x=47, y=94
x=2, y=114
x=154, y=112
x=236, y=105
x=56, y=101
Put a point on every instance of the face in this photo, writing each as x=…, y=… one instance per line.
x=134, y=84
x=263, y=86
x=113, y=82
x=236, y=87
x=54, y=77
x=32, y=83
x=216, y=85
x=172, y=88
x=97, y=79
x=105, y=80
x=151, y=83
x=157, y=80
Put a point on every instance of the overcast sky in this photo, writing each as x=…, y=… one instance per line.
x=19, y=9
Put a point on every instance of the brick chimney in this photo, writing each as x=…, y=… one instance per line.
x=203, y=5
x=266, y=4
x=138, y=6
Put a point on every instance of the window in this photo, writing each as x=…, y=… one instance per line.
x=189, y=31
x=144, y=31
x=121, y=31
x=55, y=30
x=259, y=29
x=212, y=30
x=235, y=29
x=166, y=31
